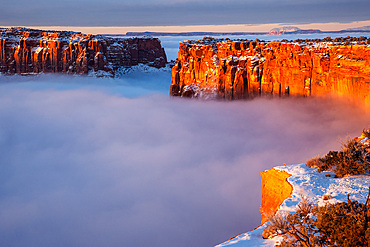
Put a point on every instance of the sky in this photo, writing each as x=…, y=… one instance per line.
x=188, y=15
x=93, y=162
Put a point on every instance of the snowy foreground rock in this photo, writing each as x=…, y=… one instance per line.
x=315, y=185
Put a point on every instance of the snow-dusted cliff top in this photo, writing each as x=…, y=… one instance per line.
x=315, y=185
x=29, y=51
x=314, y=43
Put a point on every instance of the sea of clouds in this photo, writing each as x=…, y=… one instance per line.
x=117, y=162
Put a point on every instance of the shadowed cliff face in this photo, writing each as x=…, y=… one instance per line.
x=35, y=51
x=246, y=69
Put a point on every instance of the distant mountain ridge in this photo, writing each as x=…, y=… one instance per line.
x=357, y=29
x=292, y=30
x=286, y=29
x=274, y=31
x=147, y=33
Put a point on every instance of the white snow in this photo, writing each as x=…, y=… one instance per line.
x=39, y=49
x=315, y=185
x=250, y=239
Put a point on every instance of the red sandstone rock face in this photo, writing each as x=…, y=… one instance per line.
x=34, y=51
x=246, y=69
x=275, y=189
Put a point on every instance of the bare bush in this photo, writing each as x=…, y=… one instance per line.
x=276, y=225
x=318, y=163
x=326, y=197
x=353, y=159
x=344, y=224
x=366, y=133
x=298, y=228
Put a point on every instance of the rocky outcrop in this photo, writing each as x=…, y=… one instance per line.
x=245, y=69
x=318, y=187
x=25, y=51
x=275, y=189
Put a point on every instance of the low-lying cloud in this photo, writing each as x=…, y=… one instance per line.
x=86, y=168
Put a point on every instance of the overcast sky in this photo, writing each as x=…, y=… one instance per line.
x=178, y=12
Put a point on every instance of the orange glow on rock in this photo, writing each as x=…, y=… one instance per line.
x=248, y=69
x=275, y=189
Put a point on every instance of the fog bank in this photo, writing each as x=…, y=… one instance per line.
x=83, y=167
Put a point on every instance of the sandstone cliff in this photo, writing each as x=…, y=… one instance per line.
x=246, y=69
x=34, y=51
x=275, y=189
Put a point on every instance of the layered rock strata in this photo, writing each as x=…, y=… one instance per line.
x=24, y=51
x=246, y=69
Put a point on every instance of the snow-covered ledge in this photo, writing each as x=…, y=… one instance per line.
x=314, y=185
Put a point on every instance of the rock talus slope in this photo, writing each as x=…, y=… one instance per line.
x=247, y=69
x=25, y=51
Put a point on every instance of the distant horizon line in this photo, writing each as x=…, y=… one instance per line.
x=229, y=28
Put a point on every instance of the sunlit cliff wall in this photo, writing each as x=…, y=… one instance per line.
x=34, y=51
x=246, y=69
x=275, y=189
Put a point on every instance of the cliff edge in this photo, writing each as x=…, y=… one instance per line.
x=302, y=180
x=245, y=69
x=284, y=186
x=26, y=51
x=275, y=189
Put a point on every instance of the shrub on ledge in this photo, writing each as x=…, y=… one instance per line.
x=344, y=224
x=353, y=159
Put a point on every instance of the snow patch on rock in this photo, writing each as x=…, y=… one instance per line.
x=319, y=187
